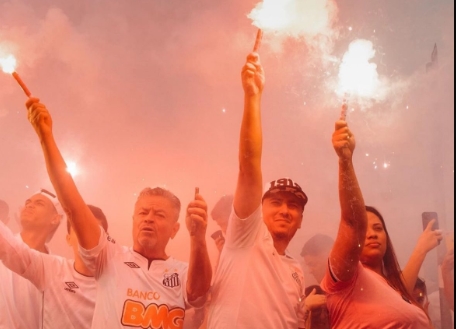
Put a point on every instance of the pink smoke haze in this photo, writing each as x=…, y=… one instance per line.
x=148, y=93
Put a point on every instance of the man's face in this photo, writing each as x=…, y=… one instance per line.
x=282, y=214
x=154, y=223
x=376, y=240
x=317, y=265
x=39, y=213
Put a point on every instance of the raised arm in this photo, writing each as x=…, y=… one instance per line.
x=349, y=243
x=428, y=240
x=20, y=258
x=250, y=181
x=84, y=223
x=200, y=270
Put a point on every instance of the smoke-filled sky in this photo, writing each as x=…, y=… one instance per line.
x=148, y=93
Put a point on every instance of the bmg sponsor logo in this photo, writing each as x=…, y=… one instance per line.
x=136, y=314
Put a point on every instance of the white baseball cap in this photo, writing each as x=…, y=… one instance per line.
x=285, y=185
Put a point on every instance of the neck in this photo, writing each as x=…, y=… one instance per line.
x=377, y=268
x=35, y=240
x=151, y=254
x=80, y=267
x=281, y=246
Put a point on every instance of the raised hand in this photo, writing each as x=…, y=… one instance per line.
x=39, y=117
x=343, y=140
x=196, y=218
x=253, y=75
x=429, y=239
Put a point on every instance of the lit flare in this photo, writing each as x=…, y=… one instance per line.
x=357, y=75
x=8, y=65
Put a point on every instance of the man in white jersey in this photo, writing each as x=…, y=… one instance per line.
x=257, y=284
x=68, y=286
x=138, y=287
x=20, y=302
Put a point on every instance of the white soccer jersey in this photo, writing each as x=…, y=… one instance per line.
x=133, y=295
x=254, y=286
x=20, y=301
x=69, y=297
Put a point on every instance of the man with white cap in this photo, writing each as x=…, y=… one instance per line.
x=68, y=285
x=257, y=283
x=20, y=302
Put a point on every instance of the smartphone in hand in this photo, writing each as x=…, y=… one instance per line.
x=427, y=217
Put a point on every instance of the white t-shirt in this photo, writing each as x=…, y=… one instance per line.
x=254, y=286
x=69, y=297
x=20, y=302
x=132, y=295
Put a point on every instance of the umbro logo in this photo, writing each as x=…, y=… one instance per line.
x=132, y=265
x=71, y=286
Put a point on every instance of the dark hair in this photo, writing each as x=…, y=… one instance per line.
x=223, y=207
x=99, y=215
x=391, y=266
x=421, y=284
x=317, y=245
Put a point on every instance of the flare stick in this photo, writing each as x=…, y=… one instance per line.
x=21, y=83
x=197, y=190
x=193, y=225
x=343, y=111
x=258, y=40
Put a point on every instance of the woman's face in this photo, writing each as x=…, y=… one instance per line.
x=376, y=240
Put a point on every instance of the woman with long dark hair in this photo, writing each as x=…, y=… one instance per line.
x=363, y=283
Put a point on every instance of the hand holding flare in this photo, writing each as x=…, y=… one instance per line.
x=8, y=65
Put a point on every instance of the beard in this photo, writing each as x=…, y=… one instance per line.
x=282, y=235
x=147, y=242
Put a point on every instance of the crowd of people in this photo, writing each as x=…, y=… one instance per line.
x=255, y=283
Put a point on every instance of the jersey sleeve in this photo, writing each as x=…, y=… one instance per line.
x=242, y=233
x=21, y=259
x=95, y=259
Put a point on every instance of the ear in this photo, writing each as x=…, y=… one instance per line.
x=56, y=220
x=300, y=220
x=176, y=228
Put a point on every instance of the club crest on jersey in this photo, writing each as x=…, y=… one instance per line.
x=171, y=280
